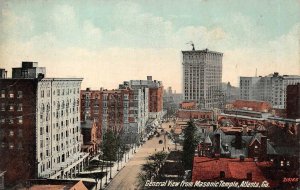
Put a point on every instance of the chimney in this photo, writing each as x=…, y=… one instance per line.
x=263, y=150
x=222, y=174
x=217, y=144
x=242, y=158
x=249, y=176
x=245, y=129
x=149, y=78
x=238, y=140
x=40, y=76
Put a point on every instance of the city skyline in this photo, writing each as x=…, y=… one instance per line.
x=110, y=42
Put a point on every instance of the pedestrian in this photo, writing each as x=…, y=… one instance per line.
x=155, y=150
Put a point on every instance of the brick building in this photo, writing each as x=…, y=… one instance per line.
x=195, y=114
x=90, y=110
x=115, y=110
x=18, y=101
x=188, y=105
x=293, y=101
x=91, y=142
x=211, y=169
x=89, y=104
x=40, y=127
x=259, y=106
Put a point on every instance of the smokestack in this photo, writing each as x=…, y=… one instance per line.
x=238, y=140
x=263, y=150
x=249, y=176
x=217, y=144
x=222, y=174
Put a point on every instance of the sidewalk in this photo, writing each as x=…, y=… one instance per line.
x=114, y=170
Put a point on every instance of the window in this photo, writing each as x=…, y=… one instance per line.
x=11, y=107
x=11, y=94
x=2, y=120
x=20, y=133
x=20, y=146
x=20, y=119
x=11, y=146
x=20, y=94
x=20, y=107
x=2, y=93
x=2, y=106
x=11, y=133
x=11, y=120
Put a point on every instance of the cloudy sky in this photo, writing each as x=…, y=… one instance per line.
x=107, y=42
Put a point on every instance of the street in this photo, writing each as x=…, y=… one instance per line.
x=127, y=178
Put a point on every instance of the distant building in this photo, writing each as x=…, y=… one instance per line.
x=202, y=77
x=40, y=127
x=90, y=110
x=259, y=106
x=155, y=96
x=89, y=104
x=195, y=114
x=188, y=105
x=293, y=101
x=271, y=88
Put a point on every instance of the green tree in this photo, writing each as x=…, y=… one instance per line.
x=110, y=146
x=158, y=158
x=189, y=144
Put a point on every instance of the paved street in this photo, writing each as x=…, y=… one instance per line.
x=126, y=179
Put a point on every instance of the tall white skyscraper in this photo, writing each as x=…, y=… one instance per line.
x=202, y=77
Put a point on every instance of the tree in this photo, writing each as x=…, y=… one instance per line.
x=151, y=167
x=189, y=144
x=158, y=158
x=110, y=146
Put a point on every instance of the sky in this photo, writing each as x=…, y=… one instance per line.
x=108, y=42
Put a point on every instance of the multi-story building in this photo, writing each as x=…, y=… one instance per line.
x=115, y=112
x=271, y=88
x=154, y=99
x=89, y=104
x=89, y=115
x=202, y=77
x=293, y=101
x=40, y=127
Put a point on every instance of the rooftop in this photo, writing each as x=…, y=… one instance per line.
x=209, y=169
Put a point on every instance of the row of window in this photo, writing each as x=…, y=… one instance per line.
x=11, y=120
x=11, y=94
x=11, y=145
x=60, y=92
x=11, y=133
x=11, y=107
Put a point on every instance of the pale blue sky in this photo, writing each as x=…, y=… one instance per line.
x=107, y=42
